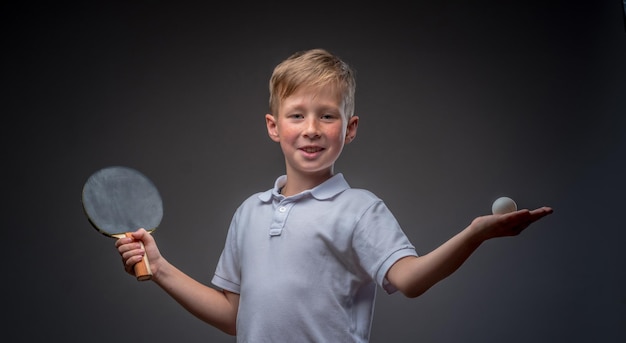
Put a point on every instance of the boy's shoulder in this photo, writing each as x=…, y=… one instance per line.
x=361, y=193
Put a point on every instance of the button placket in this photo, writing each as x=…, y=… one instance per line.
x=280, y=217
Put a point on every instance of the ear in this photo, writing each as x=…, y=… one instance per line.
x=353, y=124
x=272, y=127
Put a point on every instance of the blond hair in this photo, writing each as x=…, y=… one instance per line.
x=317, y=68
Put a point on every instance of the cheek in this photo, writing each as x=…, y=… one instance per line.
x=339, y=132
x=288, y=135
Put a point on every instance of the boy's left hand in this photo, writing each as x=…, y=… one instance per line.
x=509, y=224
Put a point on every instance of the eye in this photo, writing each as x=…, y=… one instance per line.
x=295, y=116
x=328, y=116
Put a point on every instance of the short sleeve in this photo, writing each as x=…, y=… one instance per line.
x=228, y=271
x=379, y=242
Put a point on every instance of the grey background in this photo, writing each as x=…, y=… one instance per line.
x=460, y=102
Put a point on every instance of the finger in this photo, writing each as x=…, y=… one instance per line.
x=542, y=211
x=121, y=241
x=531, y=217
x=539, y=213
x=132, y=257
x=131, y=261
x=129, y=247
x=139, y=233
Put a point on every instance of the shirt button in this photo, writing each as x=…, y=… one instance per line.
x=282, y=209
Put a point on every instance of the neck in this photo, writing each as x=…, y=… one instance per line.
x=298, y=182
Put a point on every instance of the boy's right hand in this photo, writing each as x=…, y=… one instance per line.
x=131, y=252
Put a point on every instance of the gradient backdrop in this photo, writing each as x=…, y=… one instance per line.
x=460, y=103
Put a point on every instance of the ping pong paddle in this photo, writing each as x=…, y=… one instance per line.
x=118, y=200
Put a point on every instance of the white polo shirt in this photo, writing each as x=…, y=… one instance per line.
x=306, y=266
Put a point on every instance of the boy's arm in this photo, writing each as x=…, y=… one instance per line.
x=218, y=308
x=415, y=275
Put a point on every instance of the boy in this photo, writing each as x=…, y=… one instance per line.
x=302, y=261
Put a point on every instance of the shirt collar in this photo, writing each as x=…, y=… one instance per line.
x=326, y=190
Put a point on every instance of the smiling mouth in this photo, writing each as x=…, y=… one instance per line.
x=311, y=149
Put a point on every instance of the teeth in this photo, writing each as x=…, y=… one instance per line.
x=311, y=149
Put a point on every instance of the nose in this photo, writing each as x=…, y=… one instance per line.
x=312, y=128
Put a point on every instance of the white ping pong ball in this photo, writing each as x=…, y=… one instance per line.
x=503, y=205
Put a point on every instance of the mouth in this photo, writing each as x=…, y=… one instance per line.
x=311, y=149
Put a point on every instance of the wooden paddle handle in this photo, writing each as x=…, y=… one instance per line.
x=142, y=268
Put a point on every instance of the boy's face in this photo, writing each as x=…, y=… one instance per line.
x=312, y=128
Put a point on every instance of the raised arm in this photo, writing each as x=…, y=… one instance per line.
x=217, y=308
x=415, y=275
